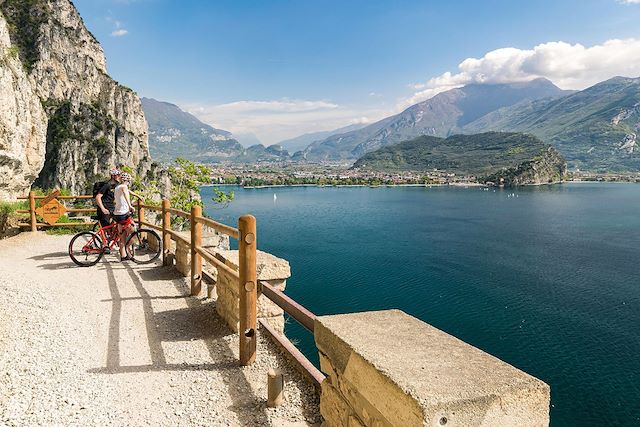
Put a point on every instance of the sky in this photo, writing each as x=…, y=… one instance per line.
x=278, y=69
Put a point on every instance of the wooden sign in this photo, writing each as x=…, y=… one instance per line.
x=55, y=193
x=52, y=210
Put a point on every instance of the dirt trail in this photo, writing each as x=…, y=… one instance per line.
x=122, y=344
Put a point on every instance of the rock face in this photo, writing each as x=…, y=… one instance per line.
x=547, y=168
x=23, y=123
x=94, y=122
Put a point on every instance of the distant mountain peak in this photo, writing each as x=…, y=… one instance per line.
x=442, y=115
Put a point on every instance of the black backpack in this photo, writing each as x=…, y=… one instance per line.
x=97, y=186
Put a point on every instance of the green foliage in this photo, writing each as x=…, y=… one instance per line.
x=480, y=154
x=46, y=191
x=12, y=52
x=25, y=18
x=186, y=179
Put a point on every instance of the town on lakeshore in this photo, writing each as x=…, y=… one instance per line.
x=153, y=272
x=339, y=174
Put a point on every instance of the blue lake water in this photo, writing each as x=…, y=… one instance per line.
x=547, y=280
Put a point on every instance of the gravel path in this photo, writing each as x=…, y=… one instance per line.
x=122, y=344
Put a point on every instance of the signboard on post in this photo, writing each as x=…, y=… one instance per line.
x=51, y=209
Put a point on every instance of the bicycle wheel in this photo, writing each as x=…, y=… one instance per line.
x=144, y=246
x=85, y=249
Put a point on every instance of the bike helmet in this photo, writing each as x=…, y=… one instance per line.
x=114, y=172
x=125, y=176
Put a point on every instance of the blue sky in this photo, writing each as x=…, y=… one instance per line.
x=281, y=68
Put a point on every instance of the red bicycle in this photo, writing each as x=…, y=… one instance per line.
x=88, y=247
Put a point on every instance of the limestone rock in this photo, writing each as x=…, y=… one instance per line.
x=94, y=122
x=23, y=123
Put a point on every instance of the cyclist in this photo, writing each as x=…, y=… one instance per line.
x=105, y=198
x=123, y=210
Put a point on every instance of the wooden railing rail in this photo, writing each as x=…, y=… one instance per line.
x=178, y=212
x=33, y=223
x=82, y=196
x=222, y=228
x=211, y=259
x=303, y=363
x=291, y=307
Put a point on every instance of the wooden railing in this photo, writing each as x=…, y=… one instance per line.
x=246, y=275
x=246, y=278
x=33, y=224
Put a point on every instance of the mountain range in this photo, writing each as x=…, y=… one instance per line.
x=594, y=129
x=443, y=115
x=301, y=142
x=176, y=133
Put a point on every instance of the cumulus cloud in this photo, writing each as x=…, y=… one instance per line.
x=630, y=1
x=275, y=120
x=569, y=66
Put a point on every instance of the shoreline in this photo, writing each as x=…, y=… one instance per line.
x=455, y=184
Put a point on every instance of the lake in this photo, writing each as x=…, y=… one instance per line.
x=544, y=278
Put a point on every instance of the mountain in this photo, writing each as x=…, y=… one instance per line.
x=247, y=139
x=65, y=122
x=303, y=141
x=260, y=153
x=176, y=133
x=595, y=129
x=444, y=114
x=510, y=158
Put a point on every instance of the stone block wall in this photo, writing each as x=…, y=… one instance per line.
x=269, y=268
x=387, y=368
x=182, y=250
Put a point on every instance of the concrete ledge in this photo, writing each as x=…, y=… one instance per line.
x=390, y=368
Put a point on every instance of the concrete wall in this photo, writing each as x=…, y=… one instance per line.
x=269, y=268
x=387, y=368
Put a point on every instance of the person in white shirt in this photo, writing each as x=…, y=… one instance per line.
x=123, y=211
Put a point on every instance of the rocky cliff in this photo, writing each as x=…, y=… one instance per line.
x=23, y=123
x=93, y=123
x=549, y=167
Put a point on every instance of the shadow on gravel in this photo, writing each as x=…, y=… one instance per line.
x=46, y=265
x=52, y=255
x=199, y=321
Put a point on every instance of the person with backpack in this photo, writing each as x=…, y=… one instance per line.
x=105, y=197
x=123, y=211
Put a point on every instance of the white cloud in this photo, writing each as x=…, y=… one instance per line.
x=569, y=66
x=275, y=120
x=119, y=33
x=630, y=1
x=119, y=29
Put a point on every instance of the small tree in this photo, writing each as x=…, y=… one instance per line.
x=186, y=178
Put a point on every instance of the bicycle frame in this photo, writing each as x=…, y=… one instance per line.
x=109, y=235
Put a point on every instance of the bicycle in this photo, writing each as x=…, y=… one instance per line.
x=87, y=248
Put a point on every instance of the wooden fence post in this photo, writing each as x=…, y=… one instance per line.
x=32, y=210
x=196, y=258
x=140, y=214
x=166, y=226
x=248, y=288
